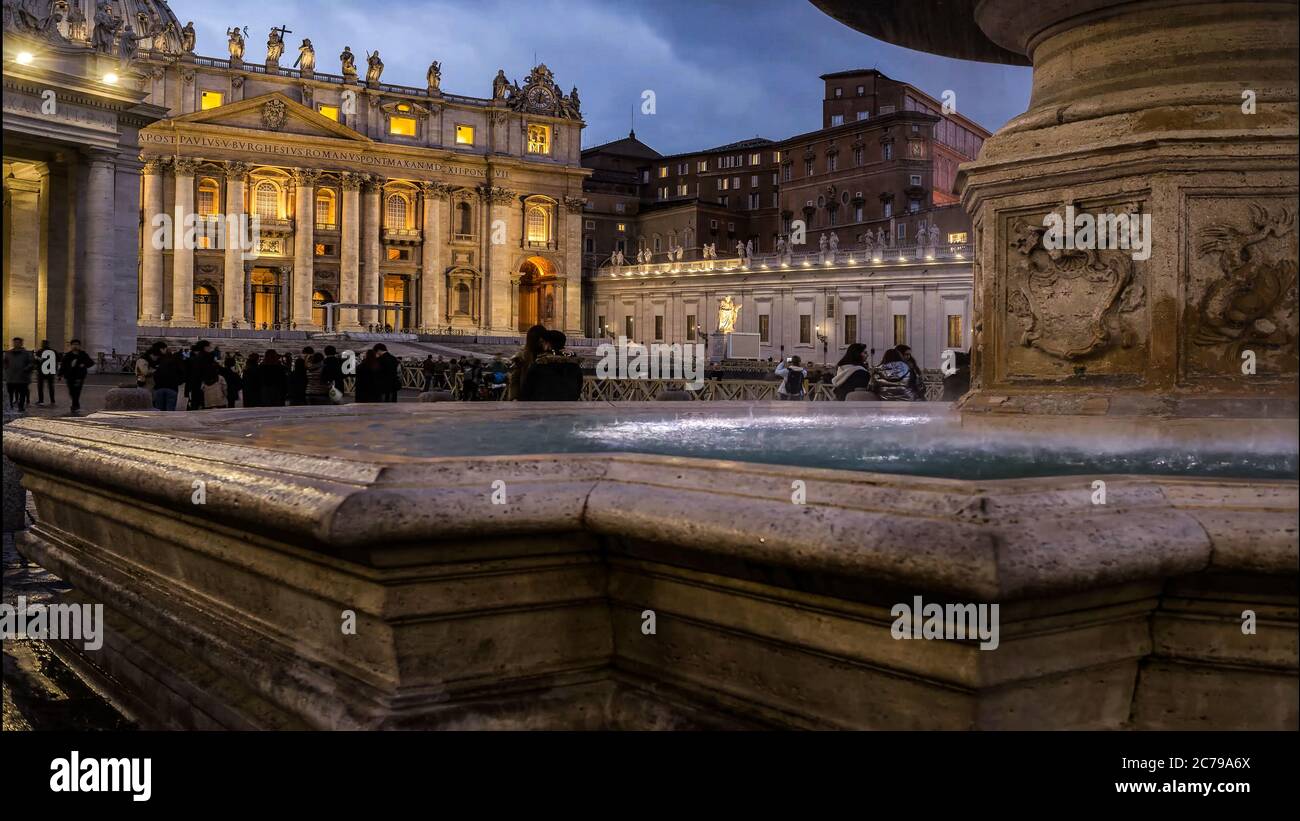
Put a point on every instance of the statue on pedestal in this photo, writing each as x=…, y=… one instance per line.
x=275, y=45
x=306, y=57
x=500, y=85
x=188, y=38
x=434, y=78
x=107, y=25
x=934, y=235
x=728, y=314
x=834, y=242
x=349, y=63
x=235, y=42
x=374, y=67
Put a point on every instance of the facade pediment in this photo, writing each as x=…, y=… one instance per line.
x=275, y=113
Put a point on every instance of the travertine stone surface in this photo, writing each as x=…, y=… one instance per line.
x=530, y=613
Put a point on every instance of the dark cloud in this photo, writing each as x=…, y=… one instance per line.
x=720, y=70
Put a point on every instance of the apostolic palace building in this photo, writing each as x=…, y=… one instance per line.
x=149, y=187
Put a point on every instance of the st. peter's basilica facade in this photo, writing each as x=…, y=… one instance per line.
x=397, y=207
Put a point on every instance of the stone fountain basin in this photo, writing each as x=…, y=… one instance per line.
x=527, y=610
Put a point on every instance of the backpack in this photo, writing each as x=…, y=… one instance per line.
x=214, y=395
x=794, y=382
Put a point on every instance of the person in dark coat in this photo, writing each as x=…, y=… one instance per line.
x=851, y=373
x=274, y=381
x=252, y=378
x=234, y=382
x=368, y=378
x=553, y=376
x=168, y=378
x=916, y=380
x=199, y=368
x=390, y=378
x=892, y=381
x=73, y=368
x=332, y=368
x=957, y=384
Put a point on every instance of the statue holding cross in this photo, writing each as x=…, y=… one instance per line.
x=275, y=44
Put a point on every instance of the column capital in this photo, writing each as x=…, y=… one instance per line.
x=351, y=181
x=154, y=165
x=496, y=196
x=238, y=170
x=305, y=176
x=185, y=166
x=374, y=183
x=435, y=190
x=575, y=204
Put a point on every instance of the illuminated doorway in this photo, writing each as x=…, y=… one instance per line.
x=537, y=293
x=266, y=298
x=396, y=308
x=205, y=306
x=318, y=300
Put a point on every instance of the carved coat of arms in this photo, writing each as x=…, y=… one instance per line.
x=1069, y=301
x=274, y=115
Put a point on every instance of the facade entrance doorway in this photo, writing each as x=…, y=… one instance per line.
x=538, y=294
x=397, y=308
x=266, y=298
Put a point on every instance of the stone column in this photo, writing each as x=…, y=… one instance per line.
x=304, y=246
x=22, y=256
x=498, y=203
x=233, y=288
x=372, y=232
x=182, y=252
x=152, y=297
x=96, y=331
x=350, y=251
x=432, y=261
x=572, y=296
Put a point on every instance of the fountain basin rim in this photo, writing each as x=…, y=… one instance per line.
x=983, y=539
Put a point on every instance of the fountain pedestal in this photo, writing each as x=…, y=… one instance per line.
x=1181, y=115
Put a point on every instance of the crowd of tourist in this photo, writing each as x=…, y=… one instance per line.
x=896, y=378
x=21, y=364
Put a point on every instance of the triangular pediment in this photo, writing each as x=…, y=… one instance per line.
x=272, y=113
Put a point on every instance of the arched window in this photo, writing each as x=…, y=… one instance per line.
x=539, y=225
x=464, y=219
x=396, y=211
x=462, y=298
x=209, y=197
x=266, y=200
x=324, y=207
x=205, y=306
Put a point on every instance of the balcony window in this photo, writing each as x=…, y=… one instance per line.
x=211, y=99
x=539, y=139
x=401, y=126
x=464, y=135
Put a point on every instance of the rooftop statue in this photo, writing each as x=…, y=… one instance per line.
x=434, y=77
x=107, y=25
x=349, y=62
x=275, y=44
x=306, y=56
x=188, y=38
x=375, y=67
x=236, y=42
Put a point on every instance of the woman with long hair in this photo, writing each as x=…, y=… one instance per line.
x=534, y=346
x=892, y=381
x=851, y=373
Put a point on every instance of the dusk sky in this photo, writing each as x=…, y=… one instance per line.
x=721, y=70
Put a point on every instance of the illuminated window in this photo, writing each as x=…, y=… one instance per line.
x=539, y=139
x=318, y=301
x=663, y=171
x=958, y=238
x=325, y=207
x=211, y=99
x=396, y=211
x=266, y=200
x=954, y=331
x=900, y=329
x=403, y=107
x=539, y=224
x=764, y=328
x=464, y=135
x=622, y=226
x=208, y=199
x=401, y=126
x=331, y=111
x=398, y=254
